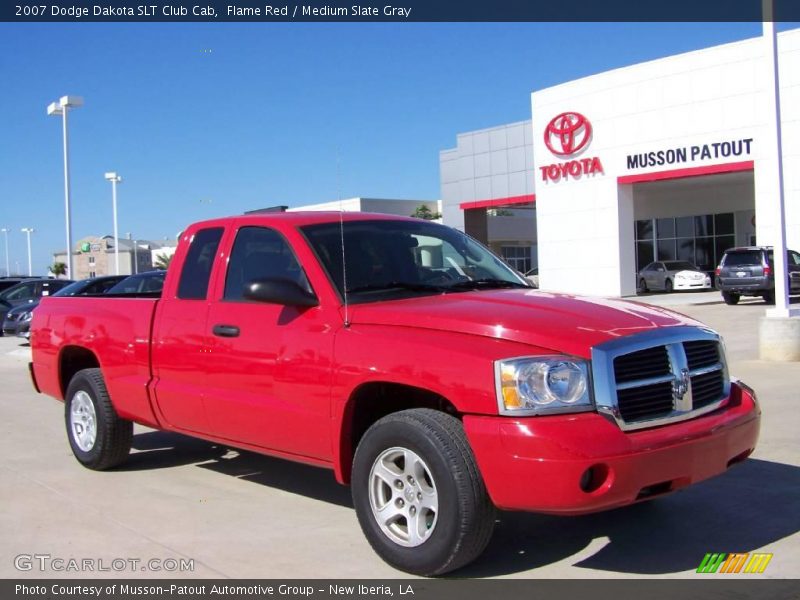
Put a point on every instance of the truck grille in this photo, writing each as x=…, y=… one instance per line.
x=660, y=377
x=651, y=362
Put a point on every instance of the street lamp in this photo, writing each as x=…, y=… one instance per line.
x=115, y=179
x=8, y=269
x=61, y=107
x=29, y=231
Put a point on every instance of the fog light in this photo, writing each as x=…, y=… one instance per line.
x=593, y=478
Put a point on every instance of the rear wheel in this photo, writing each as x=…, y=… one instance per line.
x=730, y=297
x=420, y=499
x=668, y=286
x=642, y=285
x=769, y=297
x=99, y=438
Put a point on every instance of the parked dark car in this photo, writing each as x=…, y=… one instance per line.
x=750, y=271
x=7, y=282
x=18, y=319
x=27, y=292
x=142, y=283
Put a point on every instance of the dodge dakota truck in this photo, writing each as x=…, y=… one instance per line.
x=411, y=361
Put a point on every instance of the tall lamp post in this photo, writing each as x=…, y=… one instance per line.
x=29, y=231
x=115, y=179
x=61, y=108
x=8, y=268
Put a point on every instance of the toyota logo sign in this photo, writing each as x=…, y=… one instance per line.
x=567, y=133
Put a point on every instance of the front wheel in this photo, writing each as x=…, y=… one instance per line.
x=668, y=286
x=642, y=285
x=99, y=438
x=419, y=497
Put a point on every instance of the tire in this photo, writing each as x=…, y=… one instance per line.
x=99, y=438
x=668, y=286
x=769, y=297
x=643, y=285
x=443, y=486
x=730, y=297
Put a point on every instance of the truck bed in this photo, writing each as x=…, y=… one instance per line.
x=115, y=331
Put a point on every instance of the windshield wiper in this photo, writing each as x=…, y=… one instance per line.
x=488, y=283
x=398, y=285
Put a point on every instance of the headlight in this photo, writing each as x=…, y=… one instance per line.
x=26, y=316
x=543, y=384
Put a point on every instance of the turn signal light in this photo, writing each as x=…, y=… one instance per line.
x=717, y=271
x=767, y=271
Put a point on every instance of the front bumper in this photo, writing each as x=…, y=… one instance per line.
x=542, y=464
x=691, y=284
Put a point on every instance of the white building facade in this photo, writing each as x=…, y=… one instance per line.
x=657, y=161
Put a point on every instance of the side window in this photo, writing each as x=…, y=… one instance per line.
x=25, y=292
x=794, y=258
x=260, y=253
x=196, y=272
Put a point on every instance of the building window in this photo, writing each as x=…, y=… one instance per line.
x=92, y=274
x=91, y=260
x=701, y=240
x=517, y=257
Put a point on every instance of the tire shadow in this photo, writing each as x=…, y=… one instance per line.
x=749, y=507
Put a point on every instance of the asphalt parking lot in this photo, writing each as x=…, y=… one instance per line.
x=240, y=515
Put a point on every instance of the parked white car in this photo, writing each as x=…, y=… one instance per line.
x=669, y=275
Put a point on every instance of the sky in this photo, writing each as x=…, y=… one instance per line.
x=212, y=119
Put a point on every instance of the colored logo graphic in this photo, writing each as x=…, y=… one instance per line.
x=567, y=133
x=746, y=562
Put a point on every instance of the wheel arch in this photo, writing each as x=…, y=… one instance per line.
x=371, y=401
x=71, y=360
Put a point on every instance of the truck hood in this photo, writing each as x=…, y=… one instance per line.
x=558, y=322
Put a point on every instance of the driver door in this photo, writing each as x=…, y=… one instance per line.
x=268, y=366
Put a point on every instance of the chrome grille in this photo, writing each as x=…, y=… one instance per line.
x=707, y=388
x=660, y=376
x=645, y=402
x=701, y=354
x=643, y=364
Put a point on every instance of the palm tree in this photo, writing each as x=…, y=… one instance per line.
x=58, y=269
x=163, y=261
x=423, y=212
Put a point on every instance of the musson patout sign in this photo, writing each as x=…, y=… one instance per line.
x=566, y=135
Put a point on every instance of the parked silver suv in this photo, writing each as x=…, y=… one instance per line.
x=750, y=271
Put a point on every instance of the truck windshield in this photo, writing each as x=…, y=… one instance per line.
x=396, y=259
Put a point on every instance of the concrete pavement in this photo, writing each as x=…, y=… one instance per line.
x=236, y=514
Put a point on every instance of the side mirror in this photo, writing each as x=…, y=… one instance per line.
x=279, y=291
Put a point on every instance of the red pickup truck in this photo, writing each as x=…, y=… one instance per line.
x=410, y=360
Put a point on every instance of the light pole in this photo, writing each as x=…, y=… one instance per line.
x=61, y=107
x=135, y=254
x=29, y=231
x=115, y=179
x=8, y=268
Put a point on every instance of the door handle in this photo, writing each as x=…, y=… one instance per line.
x=225, y=330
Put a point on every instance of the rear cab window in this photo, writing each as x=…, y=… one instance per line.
x=196, y=273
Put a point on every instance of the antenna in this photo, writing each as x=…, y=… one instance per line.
x=341, y=236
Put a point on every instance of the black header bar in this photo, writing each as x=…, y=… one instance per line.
x=395, y=10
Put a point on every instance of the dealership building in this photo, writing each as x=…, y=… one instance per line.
x=663, y=160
